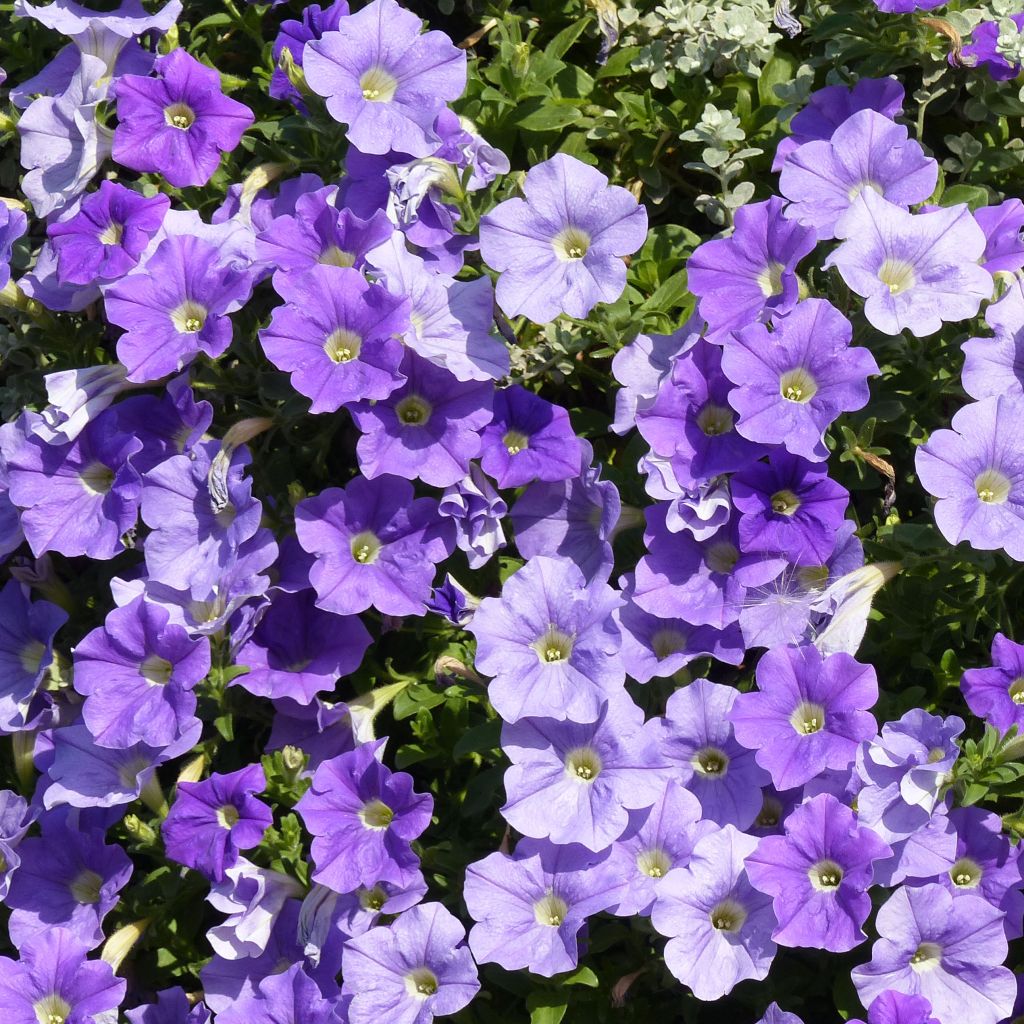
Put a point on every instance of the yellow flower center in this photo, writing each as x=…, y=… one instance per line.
x=710, y=762
x=583, y=764
x=897, y=275
x=653, y=862
x=332, y=256
x=365, y=547
x=992, y=487
x=515, y=442
x=376, y=815
x=31, y=657
x=785, y=503
x=965, y=873
x=825, y=876
x=553, y=645
x=227, y=815
x=378, y=85
x=342, y=345
x=715, y=420
x=666, y=642
x=550, y=910
x=808, y=718
x=189, y=317
x=52, y=1009
x=926, y=957
x=797, y=385
x=180, y=116
x=1016, y=690
x=413, y=411
x=571, y=244
x=770, y=280
x=421, y=982
x=111, y=234
x=155, y=669
x=728, y=916
x=97, y=478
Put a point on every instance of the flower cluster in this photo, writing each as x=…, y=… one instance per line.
x=168, y=573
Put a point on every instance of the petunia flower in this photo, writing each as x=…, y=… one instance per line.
x=178, y=123
x=948, y=950
x=997, y=693
x=363, y=818
x=476, y=509
x=983, y=51
x=808, y=713
x=293, y=36
x=291, y=997
x=818, y=875
x=411, y=971
x=13, y=224
x=976, y=470
x=916, y=271
x=793, y=381
x=719, y=926
x=995, y=366
x=172, y=1006
x=560, y=249
x=572, y=783
x=211, y=821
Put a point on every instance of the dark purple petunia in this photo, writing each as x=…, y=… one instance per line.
x=211, y=821
x=178, y=123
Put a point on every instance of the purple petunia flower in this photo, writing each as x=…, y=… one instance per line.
x=211, y=821
x=529, y=908
x=363, y=818
x=108, y=234
x=411, y=971
x=54, y=981
x=776, y=1015
x=995, y=366
x=550, y=643
x=528, y=439
x=1004, y=246
x=178, y=123
x=818, y=875
x=947, y=950
x=137, y=672
x=560, y=249
x=690, y=422
x=830, y=107
x=291, y=997
x=298, y=649
x=793, y=381
x=476, y=509
x=572, y=783
x=997, y=693
x=987, y=865
x=719, y=926
x=384, y=79
x=15, y=820
x=13, y=224
x=374, y=545
x=869, y=151
x=77, y=498
x=172, y=1006
x=176, y=308
x=808, y=713
x=893, y=1007
x=697, y=737
x=336, y=336
x=26, y=652
x=77, y=397
x=983, y=51
x=751, y=275
x=976, y=470
x=915, y=270
x=573, y=519
x=655, y=647
x=789, y=506
x=69, y=878
x=427, y=429
x=293, y=36
x=656, y=841
x=200, y=510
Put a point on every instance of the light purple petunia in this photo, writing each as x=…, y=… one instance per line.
x=818, y=875
x=751, y=275
x=869, y=151
x=697, y=738
x=211, y=821
x=893, y=1007
x=26, y=652
x=175, y=308
x=54, y=980
x=384, y=79
x=719, y=927
x=137, y=672
x=77, y=397
x=410, y=971
x=808, y=713
x=997, y=693
x=984, y=50
x=976, y=471
x=293, y=36
x=793, y=381
x=291, y=997
x=528, y=439
x=427, y=429
x=375, y=545
x=789, y=506
x=550, y=643
x=78, y=498
x=1004, y=246
x=298, y=650
x=916, y=271
x=69, y=878
x=336, y=336
x=573, y=519
x=200, y=511
x=15, y=819
x=656, y=841
x=530, y=907
x=107, y=235
x=13, y=224
x=948, y=950
x=178, y=123
x=560, y=249
x=363, y=818
x=776, y=1015
x=995, y=366
x=572, y=783
x=172, y=1006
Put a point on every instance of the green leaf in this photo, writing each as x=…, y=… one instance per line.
x=547, y=116
x=973, y=195
x=583, y=976
x=560, y=45
x=778, y=70
x=546, y=1007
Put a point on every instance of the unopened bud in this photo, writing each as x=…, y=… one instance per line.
x=121, y=943
x=293, y=760
x=193, y=771
x=293, y=72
